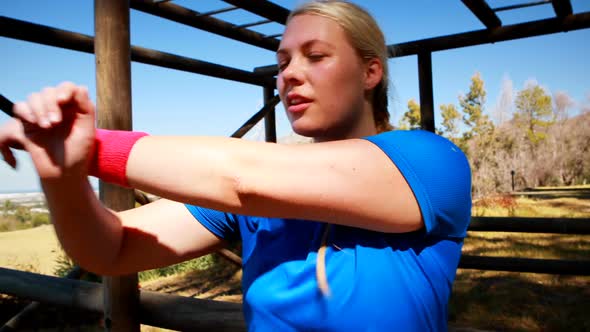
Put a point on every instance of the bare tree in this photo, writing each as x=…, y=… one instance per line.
x=563, y=103
x=505, y=102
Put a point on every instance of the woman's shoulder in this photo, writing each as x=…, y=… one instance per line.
x=438, y=173
x=419, y=146
x=411, y=138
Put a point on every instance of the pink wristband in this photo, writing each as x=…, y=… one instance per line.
x=111, y=151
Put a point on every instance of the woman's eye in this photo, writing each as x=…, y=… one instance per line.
x=316, y=56
x=283, y=64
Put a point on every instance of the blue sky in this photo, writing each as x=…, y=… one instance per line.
x=170, y=102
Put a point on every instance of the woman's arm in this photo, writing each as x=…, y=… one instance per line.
x=350, y=182
x=57, y=129
x=155, y=235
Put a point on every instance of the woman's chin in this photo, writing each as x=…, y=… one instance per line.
x=306, y=131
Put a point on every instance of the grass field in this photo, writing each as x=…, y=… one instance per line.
x=488, y=300
x=35, y=249
x=508, y=301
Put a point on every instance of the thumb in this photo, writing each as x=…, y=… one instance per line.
x=83, y=100
x=74, y=97
x=65, y=92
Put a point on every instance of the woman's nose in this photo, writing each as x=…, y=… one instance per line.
x=293, y=73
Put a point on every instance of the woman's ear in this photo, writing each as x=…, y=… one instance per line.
x=373, y=73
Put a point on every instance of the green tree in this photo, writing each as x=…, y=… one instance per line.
x=411, y=118
x=472, y=106
x=534, y=113
x=450, y=123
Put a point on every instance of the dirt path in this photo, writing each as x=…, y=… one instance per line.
x=34, y=249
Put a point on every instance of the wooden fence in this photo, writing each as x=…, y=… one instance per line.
x=189, y=314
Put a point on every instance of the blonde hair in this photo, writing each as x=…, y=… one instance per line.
x=366, y=38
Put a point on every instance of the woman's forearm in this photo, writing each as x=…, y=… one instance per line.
x=197, y=170
x=88, y=232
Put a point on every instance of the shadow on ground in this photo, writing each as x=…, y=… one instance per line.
x=503, y=301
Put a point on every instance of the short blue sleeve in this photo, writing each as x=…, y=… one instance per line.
x=223, y=225
x=438, y=174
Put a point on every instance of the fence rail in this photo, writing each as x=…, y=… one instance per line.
x=157, y=309
x=516, y=264
x=579, y=226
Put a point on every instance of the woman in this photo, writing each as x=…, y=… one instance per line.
x=391, y=207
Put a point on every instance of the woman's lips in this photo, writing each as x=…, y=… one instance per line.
x=297, y=103
x=298, y=108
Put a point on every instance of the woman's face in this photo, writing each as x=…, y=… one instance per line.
x=321, y=80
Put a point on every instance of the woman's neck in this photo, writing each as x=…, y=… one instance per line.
x=363, y=127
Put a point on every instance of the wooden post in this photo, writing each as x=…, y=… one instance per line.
x=113, y=84
x=270, y=122
x=426, y=99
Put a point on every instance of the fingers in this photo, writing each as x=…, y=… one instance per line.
x=65, y=92
x=68, y=93
x=45, y=109
x=38, y=104
x=35, y=110
x=52, y=111
x=22, y=111
x=85, y=104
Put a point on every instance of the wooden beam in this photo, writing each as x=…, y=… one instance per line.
x=45, y=35
x=263, y=8
x=484, y=13
x=230, y=256
x=192, y=18
x=515, y=264
x=219, y=11
x=521, y=5
x=268, y=107
x=253, y=24
x=503, y=33
x=478, y=37
x=580, y=226
x=6, y=105
x=113, y=85
x=426, y=95
x=270, y=122
x=190, y=314
x=47, y=289
x=562, y=8
x=161, y=310
x=172, y=61
x=24, y=315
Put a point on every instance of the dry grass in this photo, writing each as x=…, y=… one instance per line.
x=220, y=282
x=507, y=206
x=550, y=246
x=579, y=186
x=506, y=301
x=33, y=250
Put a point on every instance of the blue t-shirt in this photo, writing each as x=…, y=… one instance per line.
x=378, y=281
